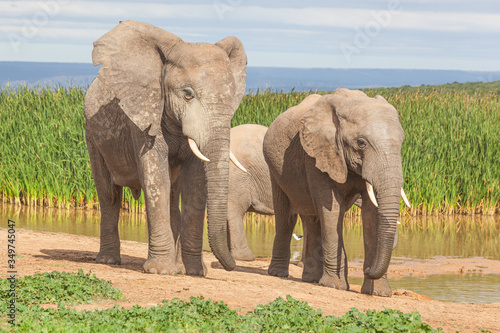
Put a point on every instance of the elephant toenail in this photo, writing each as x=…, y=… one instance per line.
x=164, y=272
x=342, y=287
x=153, y=271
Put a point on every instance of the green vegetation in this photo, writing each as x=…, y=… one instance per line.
x=43, y=155
x=469, y=87
x=197, y=315
x=60, y=287
x=451, y=150
x=450, y=154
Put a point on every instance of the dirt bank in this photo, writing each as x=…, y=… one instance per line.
x=249, y=285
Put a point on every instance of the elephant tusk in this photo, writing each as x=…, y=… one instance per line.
x=236, y=162
x=405, y=199
x=196, y=151
x=371, y=194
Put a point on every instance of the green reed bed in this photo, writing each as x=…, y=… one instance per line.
x=450, y=155
x=43, y=153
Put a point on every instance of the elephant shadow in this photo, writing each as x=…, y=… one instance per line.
x=250, y=270
x=128, y=262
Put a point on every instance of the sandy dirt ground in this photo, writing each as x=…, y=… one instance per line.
x=249, y=285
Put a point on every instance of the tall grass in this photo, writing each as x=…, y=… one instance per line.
x=451, y=154
x=43, y=154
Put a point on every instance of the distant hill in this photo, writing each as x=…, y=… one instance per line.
x=77, y=74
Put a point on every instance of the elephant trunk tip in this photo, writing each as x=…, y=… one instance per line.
x=374, y=274
x=228, y=264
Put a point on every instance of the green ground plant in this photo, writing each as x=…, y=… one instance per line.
x=197, y=315
x=60, y=288
x=450, y=154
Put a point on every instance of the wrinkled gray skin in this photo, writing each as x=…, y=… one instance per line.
x=153, y=92
x=248, y=192
x=320, y=153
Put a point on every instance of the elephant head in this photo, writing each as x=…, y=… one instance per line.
x=348, y=131
x=167, y=86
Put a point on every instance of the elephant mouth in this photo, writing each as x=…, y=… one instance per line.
x=373, y=199
x=196, y=151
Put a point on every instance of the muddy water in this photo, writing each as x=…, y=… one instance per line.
x=419, y=238
x=450, y=287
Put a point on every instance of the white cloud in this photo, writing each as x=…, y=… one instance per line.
x=273, y=36
x=328, y=17
x=397, y=18
x=104, y=9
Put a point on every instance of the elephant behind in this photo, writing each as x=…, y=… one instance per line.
x=159, y=105
x=249, y=190
x=322, y=154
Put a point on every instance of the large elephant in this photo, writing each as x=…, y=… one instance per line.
x=322, y=154
x=159, y=101
x=249, y=187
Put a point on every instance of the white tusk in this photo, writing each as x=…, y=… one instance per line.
x=235, y=161
x=369, y=188
x=405, y=199
x=196, y=151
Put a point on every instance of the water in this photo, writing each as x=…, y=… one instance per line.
x=473, y=288
x=419, y=238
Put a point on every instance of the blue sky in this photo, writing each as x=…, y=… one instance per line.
x=414, y=34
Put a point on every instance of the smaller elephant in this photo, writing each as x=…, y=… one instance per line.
x=322, y=154
x=248, y=191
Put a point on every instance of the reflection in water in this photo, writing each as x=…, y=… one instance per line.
x=426, y=237
x=259, y=231
x=450, y=287
x=77, y=222
x=419, y=238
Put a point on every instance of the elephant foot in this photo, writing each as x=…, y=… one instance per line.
x=179, y=264
x=198, y=269
x=313, y=270
x=311, y=275
x=193, y=264
x=111, y=258
x=244, y=254
x=334, y=282
x=160, y=266
x=278, y=270
x=379, y=287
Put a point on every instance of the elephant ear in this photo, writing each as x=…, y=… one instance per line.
x=381, y=98
x=132, y=56
x=238, y=58
x=320, y=137
x=349, y=93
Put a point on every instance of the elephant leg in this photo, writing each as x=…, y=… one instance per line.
x=238, y=240
x=193, y=202
x=285, y=222
x=312, y=255
x=155, y=182
x=335, y=258
x=176, y=224
x=110, y=199
x=378, y=287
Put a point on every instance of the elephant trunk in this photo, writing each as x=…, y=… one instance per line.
x=217, y=177
x=388, y=194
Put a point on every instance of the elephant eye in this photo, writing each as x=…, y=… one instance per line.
x=361, y=143
x=188, y=94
